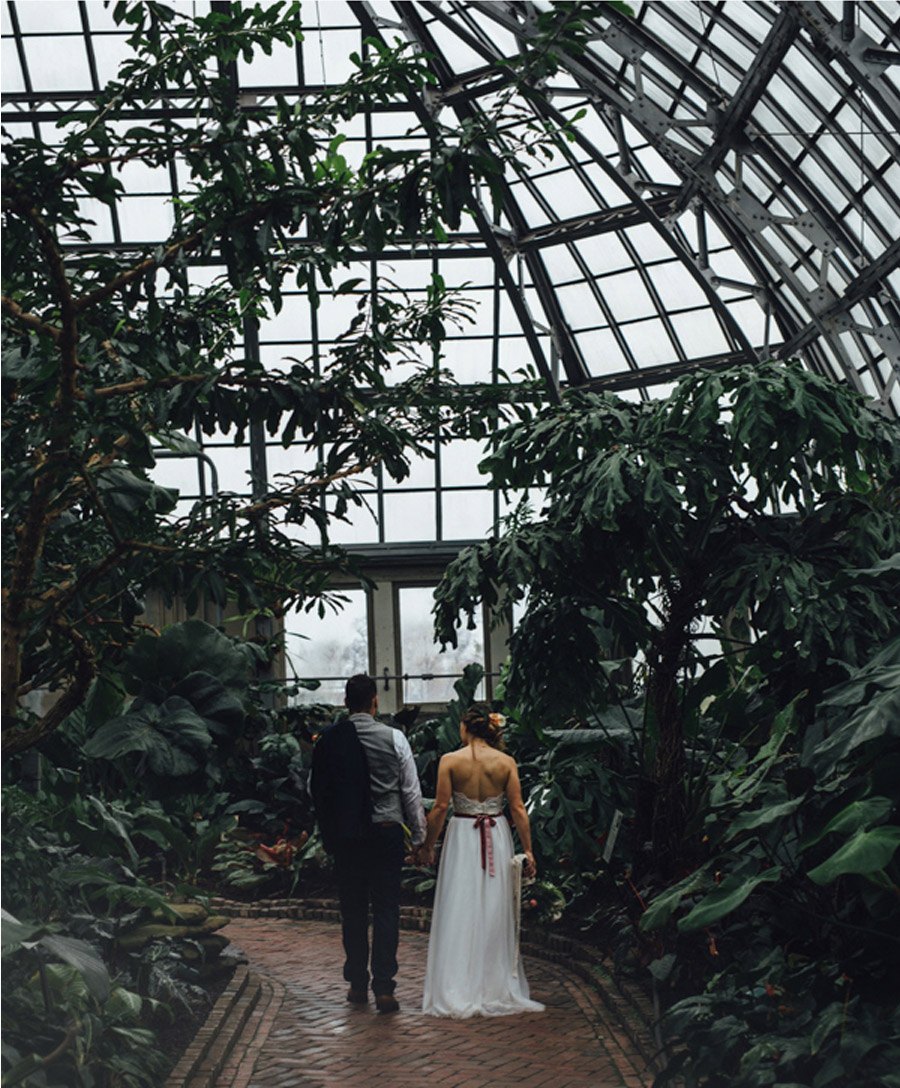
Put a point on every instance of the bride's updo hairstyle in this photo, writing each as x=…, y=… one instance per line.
x=485, y=725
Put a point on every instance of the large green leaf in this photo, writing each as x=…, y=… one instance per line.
x=880, y=672
x=126, y=493
x=181, y=722
x=161, y=662
x=113, y=824
x=85, y=961
x=727, y=897
x=749, y=821
x=22, y=1068
x=856, y=815
x=867, y=852
x=13, y=933
x=220, y=707
x=104, y=700
x=660, y=910
x=759, y=767
x=879, y=718
x=124, y=1004
x=169, y=734
x=79, y=954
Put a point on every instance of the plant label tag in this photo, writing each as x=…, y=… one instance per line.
x=613, y=835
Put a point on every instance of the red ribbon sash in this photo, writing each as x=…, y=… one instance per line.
x=483, y=824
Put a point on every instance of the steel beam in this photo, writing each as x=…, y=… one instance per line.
x=664, y=373
x=735, y=115
x=869, y=280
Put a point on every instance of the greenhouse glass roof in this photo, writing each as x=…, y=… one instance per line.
x=732, y=193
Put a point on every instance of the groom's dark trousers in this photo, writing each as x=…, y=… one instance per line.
x=368, y=871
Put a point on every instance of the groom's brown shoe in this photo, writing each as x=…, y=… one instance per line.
x=357, y=997
x=386, y=1003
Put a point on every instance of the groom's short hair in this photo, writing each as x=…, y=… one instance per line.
x=360, y=692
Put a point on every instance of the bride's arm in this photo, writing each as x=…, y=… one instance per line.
x=438, y=814
x=520, y=818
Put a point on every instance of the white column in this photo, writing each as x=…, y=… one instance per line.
x=383, y=644
x=498, y=651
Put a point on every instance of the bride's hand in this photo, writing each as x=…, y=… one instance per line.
x=425, y=856
x=529, y=868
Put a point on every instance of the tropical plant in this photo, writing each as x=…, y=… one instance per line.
x=189, y=687
x=796, y=899
x=747, y=522
x=65, y=1023
x=76, y=1011
x=110, y=358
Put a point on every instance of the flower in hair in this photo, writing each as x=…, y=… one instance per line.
x=497, y=720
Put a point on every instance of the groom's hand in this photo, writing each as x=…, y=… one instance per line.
x=424, y=855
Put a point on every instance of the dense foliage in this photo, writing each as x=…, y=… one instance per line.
x=109, y=359
x=711, y=612
x=733, y=529
x=710, y=642
x=167, y=757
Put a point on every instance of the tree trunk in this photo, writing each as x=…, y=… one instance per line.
x=669, y=815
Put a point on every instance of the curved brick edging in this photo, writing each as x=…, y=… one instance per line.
x=629, y=1006
x=606, y=997
x=233, y=1033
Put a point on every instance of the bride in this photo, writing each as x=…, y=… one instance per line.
x=474, y=967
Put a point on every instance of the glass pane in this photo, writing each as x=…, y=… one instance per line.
x=59, y=16
x=649, y=342
x=58, y=64
x=421, y=657
x=233, y=465
x=676, y=287
x=467, y=515
x=700, y=333
x=12, y=70
x=278, y=67
x=110, y=52
x=602, y=351
x=330, y=649
x=360, y=525
x=178, y=472
x=627, y=296
x=468, y=360
x=459, y=462
x=421, y=473
x=409, y=516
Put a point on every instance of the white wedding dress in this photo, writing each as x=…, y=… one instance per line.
x=473, y=967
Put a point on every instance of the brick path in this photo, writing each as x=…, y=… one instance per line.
x=315, y=1039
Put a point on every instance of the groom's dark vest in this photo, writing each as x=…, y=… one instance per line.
x=341, y=786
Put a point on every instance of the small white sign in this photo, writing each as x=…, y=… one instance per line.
x=613, y=835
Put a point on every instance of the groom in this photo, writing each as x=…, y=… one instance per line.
x=365, y=787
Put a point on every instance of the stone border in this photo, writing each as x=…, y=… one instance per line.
x=232, y=1034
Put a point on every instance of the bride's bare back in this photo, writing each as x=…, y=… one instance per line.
x=480, y=771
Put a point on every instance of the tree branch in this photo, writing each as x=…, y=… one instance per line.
x=137, y=385
x=31, y=533
x=19, y=740
x=191, y=241
x=85, y=302
x=265, y=505
x=66, y=1044
x=30, y=321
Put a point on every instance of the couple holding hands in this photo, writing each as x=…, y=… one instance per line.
x=365, y=788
